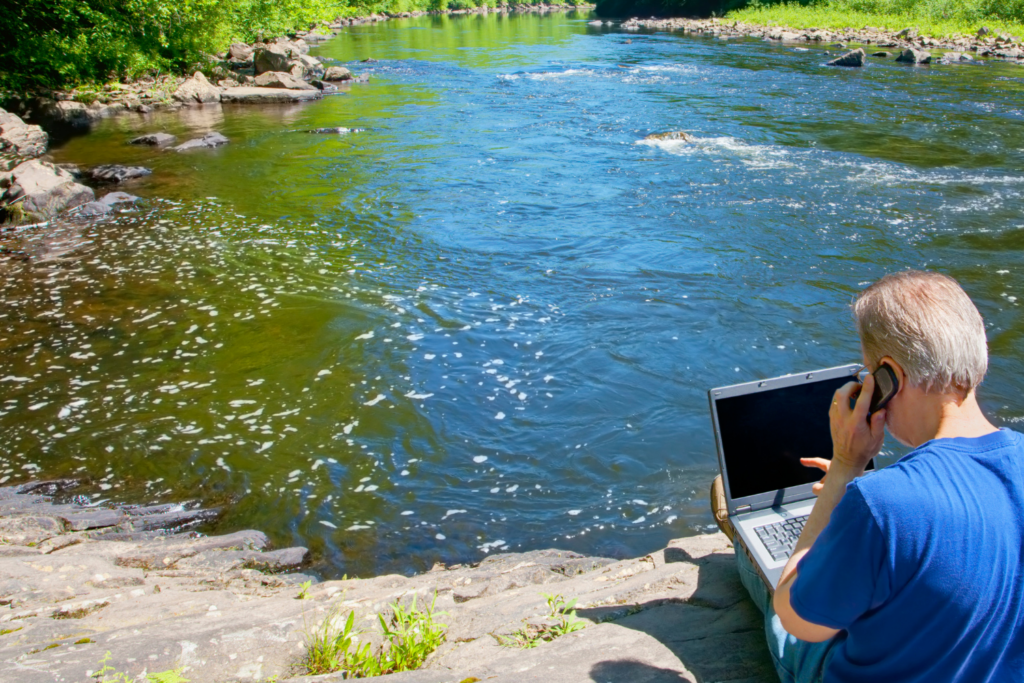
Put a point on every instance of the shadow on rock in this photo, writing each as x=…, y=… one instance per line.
x=632, y=670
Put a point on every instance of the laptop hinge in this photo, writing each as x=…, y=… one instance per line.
x=742, y=508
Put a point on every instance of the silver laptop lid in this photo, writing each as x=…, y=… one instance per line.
x=763, y=428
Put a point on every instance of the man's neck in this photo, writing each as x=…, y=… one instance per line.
x=961, y=418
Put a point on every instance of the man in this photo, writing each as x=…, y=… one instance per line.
x=915, y=572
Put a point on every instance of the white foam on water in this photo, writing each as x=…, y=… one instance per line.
x=639, y=520
x=499, y=416
x=367, y=335
x=757, y=157
x=480, y=458
x=440, y=537
x=573, y=513
x=375, y=400
x=328, y=524
x=418, y=397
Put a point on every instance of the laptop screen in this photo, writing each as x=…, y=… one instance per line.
x=764, y=435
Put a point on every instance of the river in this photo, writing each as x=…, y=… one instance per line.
x=488, y=319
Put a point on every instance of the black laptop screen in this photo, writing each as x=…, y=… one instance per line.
x=765, y=434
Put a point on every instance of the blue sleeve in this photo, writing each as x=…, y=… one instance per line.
x=844, y=575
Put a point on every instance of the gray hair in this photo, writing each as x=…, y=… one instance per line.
x=927, y=324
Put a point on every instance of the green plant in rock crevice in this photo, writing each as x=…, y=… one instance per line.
x=410, y=635
x=532, y=635
x=109, y=674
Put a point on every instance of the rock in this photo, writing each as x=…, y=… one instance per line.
x=907, y=33
x=595, y=23
x=334, y=131
x=21, y=139
x=115, y=173
x=337, y=73
x=114, y=198
x=881, y=54
x=93, y=210
x=854, y=58
x=228, y=83
x=271, y=58
x=277, y=79
x=674, y=135
x=208, y=140
x=249, y=95
x=325, y=87
x=154, y=140
x=309, y=67
x=912, y=56
x=240, y=53
x=956, y=58
x=984, y=31
x=43, y=190
x=197, y=90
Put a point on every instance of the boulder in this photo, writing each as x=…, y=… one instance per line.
x=912, y=56
x=93, y=210
x=42, y=190
x=271, y=58
x=277, y=79
x=310, y=66
x=115, y=173
x=881, y=54
x=321, y=85
x=114, y=198
x=208, y=140
x=293, y=47
x=247, y=95
x=907, y=33
x=197, y=90
x=984, y=31
x=854, y=58
x=20, y=138
x=154, y=140
x=337, y=73
x=65, y=113
x=956, y=58
x=240, y=53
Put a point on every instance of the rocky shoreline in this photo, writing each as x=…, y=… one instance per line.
x=985, y=44
x=78, y=580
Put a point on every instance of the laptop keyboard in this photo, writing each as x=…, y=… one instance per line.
x=780, y=537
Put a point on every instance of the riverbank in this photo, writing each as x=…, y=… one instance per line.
x=983, y=45
x=81, y=581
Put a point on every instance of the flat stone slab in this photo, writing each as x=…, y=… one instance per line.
x=249, y=95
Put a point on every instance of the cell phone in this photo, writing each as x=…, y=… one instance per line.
x=886, y=386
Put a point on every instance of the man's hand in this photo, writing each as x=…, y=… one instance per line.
x=821, y=464
x=855, y=440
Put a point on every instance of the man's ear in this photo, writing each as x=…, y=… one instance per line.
x=901, y=376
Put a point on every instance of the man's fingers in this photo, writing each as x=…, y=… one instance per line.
x=841, y=400
x=878, y=424
x=860, y=410
x=820, y=463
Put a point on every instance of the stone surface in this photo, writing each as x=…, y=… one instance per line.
x=159, y=602
x=154, y=140
x=271, y=58
x=278, y=79
x=208, y=140
x=21, y=139
x=115, y=198
x=240, y=53
x=337, y=73
x=253, y=95
x=43, y=190
x=93, y=210
x=914, y=56
x=115, y=173
x=854, y=58
x=197, y=90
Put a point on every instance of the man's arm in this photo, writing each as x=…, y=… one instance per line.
x=854, y=442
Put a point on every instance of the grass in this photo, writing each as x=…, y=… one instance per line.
x=410, y=635
x=109, y=674
x=839, y=14
x=530, y=635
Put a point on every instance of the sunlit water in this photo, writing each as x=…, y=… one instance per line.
x=489, y=319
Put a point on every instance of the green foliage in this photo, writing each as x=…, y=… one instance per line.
x=304, y=590
x=409, y=636
x=531, y=635
x=109, y=674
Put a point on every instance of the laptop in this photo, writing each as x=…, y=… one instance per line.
x=762, y=429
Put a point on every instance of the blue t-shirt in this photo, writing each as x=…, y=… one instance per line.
x=922, y=564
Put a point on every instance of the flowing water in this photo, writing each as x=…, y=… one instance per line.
x=488, y=319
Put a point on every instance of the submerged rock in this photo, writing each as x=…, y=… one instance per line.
x=21, y=139
x=208, y=140
x=912, y=56
x=42, y=190
x=337, y=73
x=674, y=135
x=855, y=58
x=154, y=140
x=882, y=54
x=278, y=79
x=115, y=173
x=197, y=90
x=334, y=131
x=250, y=95
x=114, y=198
x=93, y=210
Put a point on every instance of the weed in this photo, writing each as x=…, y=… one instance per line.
x=5, y=631
x=304, y=591
x=409, y=637
x=109, y=674
x=84, y=641
x=532, y=635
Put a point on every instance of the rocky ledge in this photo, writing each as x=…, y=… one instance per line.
x=908, y=42
x=77, y=581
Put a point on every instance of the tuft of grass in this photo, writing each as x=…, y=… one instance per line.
x=530, y=635
x=410, y=635
x=109, y=674
x=930, y=17
x=84, y=641
x=5, y=631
